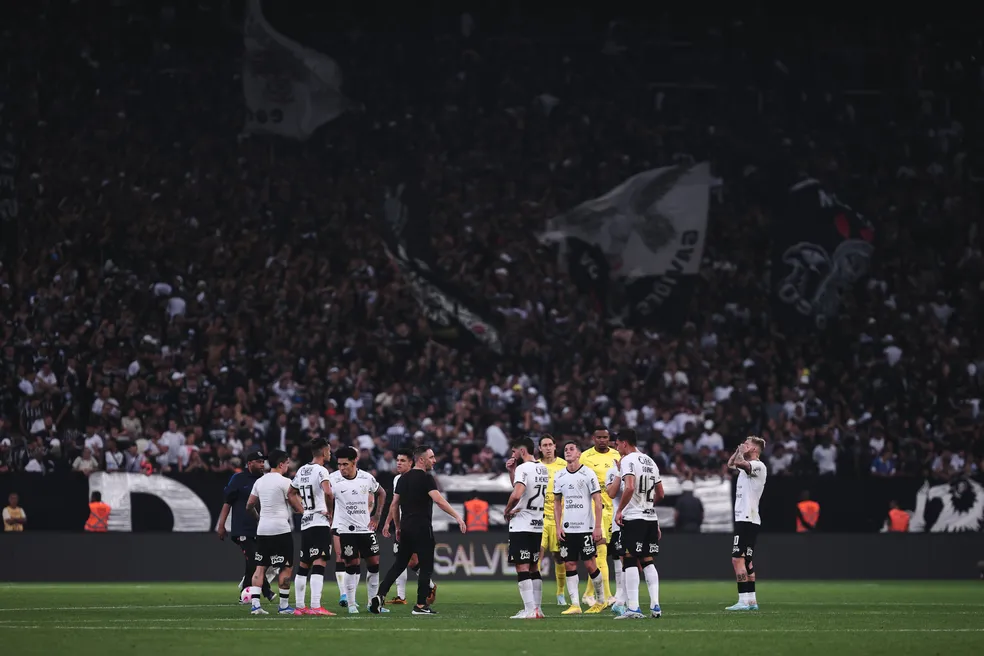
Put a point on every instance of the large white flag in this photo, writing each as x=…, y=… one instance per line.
x=290, y=90
x=644, y=222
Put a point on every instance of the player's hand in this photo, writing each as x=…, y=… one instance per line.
x=222, y=532
x=373, y=524
x=386, y=531
x=596, y=536
x=511, y=464
x=397, y=533
x=461, y=525
x=561, y=534
x=618, y=517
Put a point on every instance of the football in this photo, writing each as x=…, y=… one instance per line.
x=244, y=597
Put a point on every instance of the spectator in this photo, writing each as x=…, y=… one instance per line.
x=114, y=459
x=689, y=511
x=14, y=517
x=825, y=457
x=85, y=463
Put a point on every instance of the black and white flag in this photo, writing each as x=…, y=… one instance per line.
x=454, y=317
x=290, y=90
x=638, y=248
x=820, y=249
x=949, y=508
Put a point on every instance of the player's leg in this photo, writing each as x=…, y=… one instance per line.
x=259, y=575
x=550, y=545
x=401, y=581
x=633, y=545
x=403, y=554
x=300, y=584
x=750, y=569
x=649, y=571
x=317, y=579
x=285, y=549
x=588, y=552
x=339, y=570
x=353, y=570
x=741, y=553
x=618, y=606
x=415, y=567
x=569, y=551
x=424, y=548
x=535, y=577
x=519, y=557
x=370, y=551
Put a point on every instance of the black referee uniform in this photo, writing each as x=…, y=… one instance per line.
x=416, y=532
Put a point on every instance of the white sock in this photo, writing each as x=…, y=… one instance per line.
x=619, y=584
x=254, y=593
x=526, y=594
x=742, y=597
x=340, y=580
x=317, y=585
x=632, y=588
x=401, y=585
x=351, y=587
x=572, y=584
x=537, y=592
x=432, y=583
x=652, y=582
x=752, y=601
x=300, y=589
x=284, y=597
x=598, y=584
x=372, y=583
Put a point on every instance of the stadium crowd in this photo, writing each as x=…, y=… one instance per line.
x=181, y=292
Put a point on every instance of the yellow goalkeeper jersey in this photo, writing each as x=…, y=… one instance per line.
x=600, y=463
x=548, y=502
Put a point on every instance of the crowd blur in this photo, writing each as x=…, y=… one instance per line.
x=181, y=293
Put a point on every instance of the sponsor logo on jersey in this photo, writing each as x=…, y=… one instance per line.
x=276, y=560
x=314, y=551
x=524, y=554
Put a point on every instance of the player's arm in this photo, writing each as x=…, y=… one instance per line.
x=519, y=489
x=220, y=529
x=393, y=516
x=253, y=506
x=596, y=502
x=378, y=510
x=329, y=499
x=294, y=499
x=443, y=504
x=628, y=489
x=559, y=514
x=612, y=488
x=740, y=462
x=658, y=494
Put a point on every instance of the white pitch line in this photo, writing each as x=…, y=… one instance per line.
x=531, y=629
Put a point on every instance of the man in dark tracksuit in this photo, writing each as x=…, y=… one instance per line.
x=237, y=492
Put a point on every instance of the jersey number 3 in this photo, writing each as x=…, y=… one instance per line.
x=307, y=496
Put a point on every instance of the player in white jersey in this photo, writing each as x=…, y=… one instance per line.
x=577, y=511
x=274, y=542
x=311, y=485
x=524, y=510
x=748, y=490
x=613, y=486
x=404, y=463
x=642, y=489
x=356, y=523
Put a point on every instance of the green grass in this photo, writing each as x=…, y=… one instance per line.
x=839, y=618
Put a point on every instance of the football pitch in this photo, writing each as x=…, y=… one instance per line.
x=926, y=617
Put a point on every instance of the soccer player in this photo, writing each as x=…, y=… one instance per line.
x=356, y=523
x=404, y=462
x=244, y=523
x=411, y=510
x=613, y=486
x=311, y=485
x=578, y=516
x=751, y=482
x=642, y=488
x=274, y=542
x=599, y=459
x=524, y=510
x=549, y=459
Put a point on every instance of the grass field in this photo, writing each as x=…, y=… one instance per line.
x=796, y=617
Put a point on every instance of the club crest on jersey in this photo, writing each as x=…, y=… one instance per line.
x=348, y=550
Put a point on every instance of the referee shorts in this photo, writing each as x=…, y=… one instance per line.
x=549, y=542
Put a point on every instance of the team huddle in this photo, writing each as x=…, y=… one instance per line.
x=561, y=507
x=571, y=508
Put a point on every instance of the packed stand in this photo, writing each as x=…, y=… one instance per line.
x=186, y=293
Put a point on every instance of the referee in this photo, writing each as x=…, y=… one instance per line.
x=244, y=523
x=411, y=510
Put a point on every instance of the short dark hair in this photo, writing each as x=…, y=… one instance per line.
x=574, y=442
x=627, y=435
x=318, y=445
x=406, y=453
x=420, y=452
x=276, y=458
x=97, y=496
x=602, y=429
x=348, y=453
x=523, y=443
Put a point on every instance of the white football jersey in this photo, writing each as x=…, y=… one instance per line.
x=530, y=517
x=307, y=482
x=748, y=491
x=576, y=488
x=275, y=510
x=352, y=501
x=641, y=504
x=610, y=477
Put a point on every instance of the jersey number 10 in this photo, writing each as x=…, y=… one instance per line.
x=539, y=496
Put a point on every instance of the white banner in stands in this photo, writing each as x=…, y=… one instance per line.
x=189, y=511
